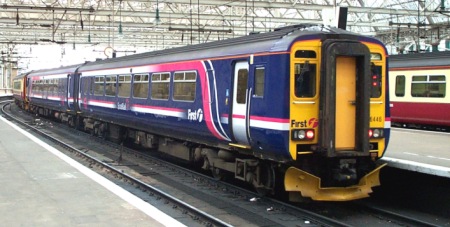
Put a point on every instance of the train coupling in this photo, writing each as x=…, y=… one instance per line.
x=308, y=185
x=345, y=172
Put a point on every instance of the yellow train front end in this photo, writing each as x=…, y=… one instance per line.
x=337, y=118
x=19, y=91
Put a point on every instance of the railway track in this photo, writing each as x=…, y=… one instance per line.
x=226, y=204
x=392, y=215
x=197, y=214
x=121, y=163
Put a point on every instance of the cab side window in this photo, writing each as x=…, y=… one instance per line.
x=305, y=80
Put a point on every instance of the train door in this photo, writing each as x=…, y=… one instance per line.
x=345, y=102
x=345, y=98
x=124, y=91
x=240, y=116
x=69, y=92
x=84, y=92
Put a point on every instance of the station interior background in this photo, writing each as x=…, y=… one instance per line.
x=52, y=33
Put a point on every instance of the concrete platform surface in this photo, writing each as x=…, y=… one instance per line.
x=40, y=186
x=420, y=151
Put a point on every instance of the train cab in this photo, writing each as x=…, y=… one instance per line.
x=338, y=112
x=19, y=90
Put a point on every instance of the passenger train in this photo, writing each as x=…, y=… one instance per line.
x=420, y=90
x=304, y=107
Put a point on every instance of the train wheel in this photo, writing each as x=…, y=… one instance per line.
x=217, y=173
x=71, y=122
x=265, y=183
x=78, y=123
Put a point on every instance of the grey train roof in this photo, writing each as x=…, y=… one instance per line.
x=278, y=40
x=419, y=60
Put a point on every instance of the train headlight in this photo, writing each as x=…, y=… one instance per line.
x=376, y=133
x=302, y=134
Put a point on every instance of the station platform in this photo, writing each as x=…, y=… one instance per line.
x=421, y=151
x=40, y=186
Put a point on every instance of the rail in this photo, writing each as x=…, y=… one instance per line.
x=198, y=214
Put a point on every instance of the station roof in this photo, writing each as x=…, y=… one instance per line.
x=145, y=25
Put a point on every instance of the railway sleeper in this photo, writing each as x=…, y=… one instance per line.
x=222, y=163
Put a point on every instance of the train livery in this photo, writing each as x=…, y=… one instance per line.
x=420, y=88
x=304, y=107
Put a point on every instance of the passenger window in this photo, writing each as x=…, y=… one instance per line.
x=241, y=86
x=428, y=86
x=184, y=85
x=34, y=86
x=259, y=81
x=92, y=86
x=99, y=85
x=400, y=86
x=110, y=86
x=85, y=85
x=305, y=80
x=39, y=85
x=124, y=86
x=140, y=86
x=17, y=85
x=160, y=85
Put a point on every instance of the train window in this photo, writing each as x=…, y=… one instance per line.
x=85, y=85
x=33, y=86
x=184, y=84
x=99, y=86
x=140, y=86
x=428, y=86
x=305, y=54
x=92, y=79
x=110, y=85
x=17, y=85
x=124, y=86
x=241, y=86
x=160, y=85
x=400, y=86
x=375, y=56
x=305, y=80
x=259, y=81
x=376, y=81
x=46, y=86
x=54, y=86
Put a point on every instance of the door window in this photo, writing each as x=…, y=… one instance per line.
x=241, y=86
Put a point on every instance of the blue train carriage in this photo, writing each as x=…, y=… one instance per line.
x=48, y=92
x=302, y=108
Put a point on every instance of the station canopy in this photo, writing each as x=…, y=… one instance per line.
x=61, y=32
